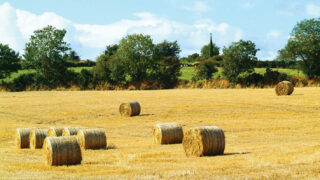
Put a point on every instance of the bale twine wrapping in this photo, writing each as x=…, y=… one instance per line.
x=22, y=139
x=63, y=150
x=92, y=138
x=37, y=137
x=131, y=108
x=71, y=131
x=284, y=88
x=204, y=141
x=169, y=133
x=55, y=131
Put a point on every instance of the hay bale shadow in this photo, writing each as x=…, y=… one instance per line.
x=146, y=114
x=111, y=146
x=238, y=153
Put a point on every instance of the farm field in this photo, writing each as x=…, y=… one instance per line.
x=267, y=136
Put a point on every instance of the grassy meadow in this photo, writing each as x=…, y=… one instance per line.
x=267, y=136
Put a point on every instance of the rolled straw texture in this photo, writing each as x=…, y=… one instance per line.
x=204, y=141
x=131, y=108
x=22, y=137
x=64, y=150
x=55, y=131
x=37, y=137
x=169, y=133
x=92, y=138
x=284, y=88
x=71, y=131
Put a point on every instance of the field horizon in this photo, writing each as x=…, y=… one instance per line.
x=267, y=136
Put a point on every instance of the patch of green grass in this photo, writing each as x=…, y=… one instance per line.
x=78, y=69
x=188, y=72
x=27, y=71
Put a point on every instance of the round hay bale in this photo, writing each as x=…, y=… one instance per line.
x=62, y=151
x=169, y=133
x=22, y=138
x=37, y=137
x=204, y=141
x=71, y=131
x=284, y=88
x=131, y=108
x=92, y=138
x=55, y=131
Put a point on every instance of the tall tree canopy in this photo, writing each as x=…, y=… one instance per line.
x=136, y=52
x=239, y=57
x=206, y=51
x=45, y=53
x=304, y=46
x=9, y=61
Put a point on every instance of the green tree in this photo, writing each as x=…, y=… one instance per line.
x=111, y=50
x=136, y=52
x=73, y=56
x=206, y=52
x=239, y=57
x=9, y=61
x=205, y=70
x=193, y=57
x=304, y=46
x=167, y=69
x=45, y=53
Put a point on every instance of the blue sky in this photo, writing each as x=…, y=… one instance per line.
x=91, y=25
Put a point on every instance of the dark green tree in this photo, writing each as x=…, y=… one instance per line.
x=9, y=61
x=209, y=50
x=136, y=52
x=45, y=53
x=205, y=70
x=167, y=67
x=239, y=57
x=211, y=47
x=304, y=46
x=73, y=56
x=111, y=50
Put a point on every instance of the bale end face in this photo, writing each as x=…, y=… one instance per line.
x=204, y=141
x=129, y=109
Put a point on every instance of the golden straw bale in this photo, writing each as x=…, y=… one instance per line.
x=131, y=108
x=22, y=138
x=92, y=138
x=204, y=141
x=55, y=131
x=169, y=133
x=71, y=131
x=37, y=137
x=64, y=150
x=284, y=88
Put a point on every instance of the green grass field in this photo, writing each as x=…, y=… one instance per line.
x=186, y=72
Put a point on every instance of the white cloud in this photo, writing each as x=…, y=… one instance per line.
x=248, y=5
x=198, y=7
x=89, y=40
x=273, y=34
x=313, y=10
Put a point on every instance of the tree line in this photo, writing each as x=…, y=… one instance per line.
x=137, y=60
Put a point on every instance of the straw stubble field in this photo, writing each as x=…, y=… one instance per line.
x=267, y=136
